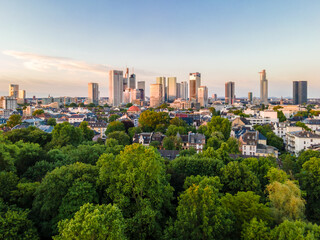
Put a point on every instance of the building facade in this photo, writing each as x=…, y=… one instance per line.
x=203, y=96
x=194, y=84
x=156, y=95
x=229, y=92
x=263, y=87
x=172, y=88
x=93, y=93
x=300, y=92
x=115, y=87
x=14, y=90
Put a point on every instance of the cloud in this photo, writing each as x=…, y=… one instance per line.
x=44, y=63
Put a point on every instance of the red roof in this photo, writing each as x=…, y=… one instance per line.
x=134, y=109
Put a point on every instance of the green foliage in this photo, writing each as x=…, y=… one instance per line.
x=281, y=116
x=272, y=138
x=14, y=224
x=303, y=125
x=149, y=120
x=286, y=201
x=54, y=187
x=113, y=117
x=178, y=122
x=115, y=126
x=8, y=183
x=237, y=177
x=137, y=182
x=97, y=222
x=155, y=144
x=30, y=134
x=220, y=124
x=255, y=230
x=52, y=122
x=87, y=133
x=134, y=130
x=37, y=112
x=129, y=105
x=64, y=134
x=121, y=137
x=275, y=174
x=173, y=130
x=14, y=120
x=203, y=181
x=187, y=152
x=289, y=230
x=171, y=143
x=306, y=156
x=200, y=214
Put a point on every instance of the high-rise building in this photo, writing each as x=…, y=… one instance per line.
x=8, y=103
x=115, y=87
x=249, y=96
x=203, y=96
x=178, y=90
x=184, y=90
x=14, y=90
x=172, y=88
x=132, y=81
x=300, y=92
x=135, y=94
x=194, y=84
x=229, y=92
x=214, y=97
x=263, y=87
x=22, y=94
x=127, y=96
x=156, y=94
x=93, y=93
x=126, y=80
x=162, y=81
x=142, y=88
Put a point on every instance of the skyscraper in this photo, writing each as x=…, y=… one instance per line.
x=184, y=90
x=172, y=88
x=22, y=94
x=126, y=80
x=115, y=87
x=132, y=81
x=263, y=87
x=93, y=93
x=178, y=90
x=14, y=90
x=300, y=92
x=229, y=92
x=249, y=96
x=203, y=96
x=194, y=84
x=162, y=81
x=156, y=94
x=142, y=88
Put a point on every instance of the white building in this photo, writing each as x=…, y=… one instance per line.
x=301, y=140
x=14, y=90
x=184, y=90
x=76, y=118
x=203, y=96
x=8, y=103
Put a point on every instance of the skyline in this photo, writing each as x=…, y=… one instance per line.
x=48, y=48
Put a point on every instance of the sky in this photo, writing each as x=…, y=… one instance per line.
x=57, y=47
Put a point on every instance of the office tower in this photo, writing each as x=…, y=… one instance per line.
x=203, y=96
x=127, y=96
x=135, y=94
x=178, y=90
x=214, y=97
x=132, y=81
x=229, y=92
x=162, y=81
x=300, y=92
x=249, y=96
x=263, y=87
x=172, y=88
x=22, y=94
x=156, y=94
x=93, y=93
x=9, y=103
x=194, y=84
x=184, y=90
x=142, y=87
x=125, y=80
x=14, y=90
x=115, y=87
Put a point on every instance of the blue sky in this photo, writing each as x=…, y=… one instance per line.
x=57, y=47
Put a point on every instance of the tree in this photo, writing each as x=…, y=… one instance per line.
x=246, y=206
x=113, y=117
x=275, y=174
x=178, y=122
x=129, y=105
x=255, y=230
x=14, y=120
x=233, y=145
x=289, y=230
x=87, y=133
x=8, y=183
x=127, y=124
x=303, y=125
x=220, y=124
x=310, y=180
x=272, y=138
x=14, y=224
x=136, y=181
x=52, y=190
x=171, y=143
x=237, y=177
x=52, y=122
x=64, y=134
x=149, y=120
x=281, y=116
x=38, y=112
x=155, y=144
x=121, y=137
x=115, y=126
x=200, y=214
x=134, y=130
x=174, y=130
x=304, y=157
x=97, y=222
x=286, y=201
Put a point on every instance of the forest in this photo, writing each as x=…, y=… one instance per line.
x=62, y=185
